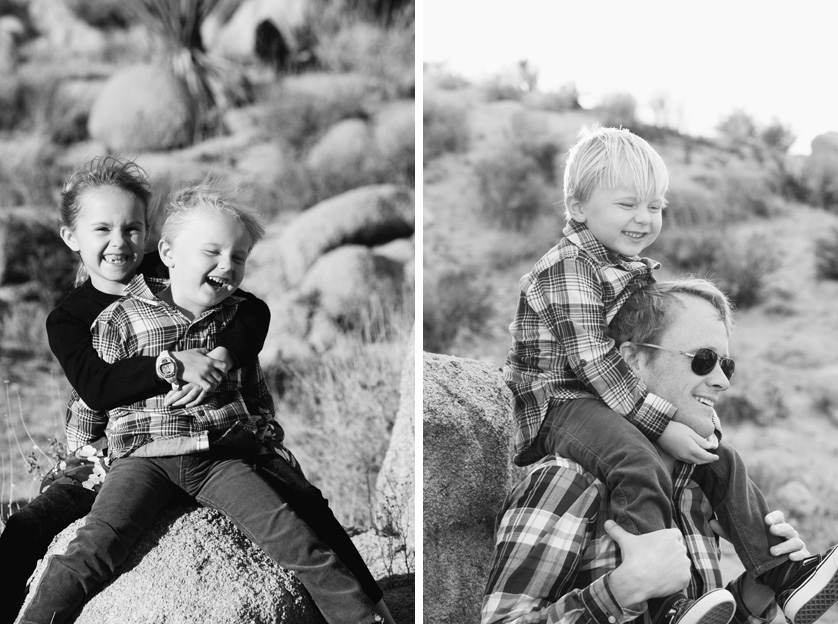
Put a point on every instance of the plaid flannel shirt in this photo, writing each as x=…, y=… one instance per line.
x=560, y=345
x=552, y=553
x=142, y=324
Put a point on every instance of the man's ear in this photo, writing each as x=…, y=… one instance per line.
x=633, y=356
x=69, y=238
x=575, y=210
x=165, y=250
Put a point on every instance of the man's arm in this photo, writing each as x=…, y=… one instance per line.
x=245, y=335
x=568, y=299
x=548, y=561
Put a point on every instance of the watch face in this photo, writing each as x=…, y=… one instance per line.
x=168, y=368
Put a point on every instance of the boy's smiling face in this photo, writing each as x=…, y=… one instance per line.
x=206, y=259
x=620, y=219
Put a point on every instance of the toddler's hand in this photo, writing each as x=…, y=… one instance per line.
x=189, y=395
x=197, y=367
x=686, y=445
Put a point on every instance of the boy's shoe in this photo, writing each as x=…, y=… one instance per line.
x=715, y=607
x=805, y=589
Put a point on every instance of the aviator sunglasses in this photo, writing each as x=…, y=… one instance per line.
x=703, y=360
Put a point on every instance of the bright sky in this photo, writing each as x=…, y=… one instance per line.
x=772, y=59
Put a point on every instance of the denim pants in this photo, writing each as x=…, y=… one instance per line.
x=308, y=502
x=28, y=534
x=133, y=494
x=612, y=449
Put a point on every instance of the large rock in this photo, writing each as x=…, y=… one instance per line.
x=142, y=107
x=466, y=471
x=395, y=485
x=351, y=284
x=342, y=154
x=236, y=38
x=194, y=565
x=371, y=215
x=394, y=132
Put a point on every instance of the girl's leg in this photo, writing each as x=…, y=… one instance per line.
x=28, y=534
x=132, y=495
x=309, y=504
x=618, y=454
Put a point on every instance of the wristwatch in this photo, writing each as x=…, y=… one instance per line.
x=167, y=369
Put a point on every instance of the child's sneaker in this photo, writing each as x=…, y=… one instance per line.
x=805, y=589
x=715, y=607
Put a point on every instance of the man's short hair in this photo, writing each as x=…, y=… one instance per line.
x=648, y=313
x=609, y=158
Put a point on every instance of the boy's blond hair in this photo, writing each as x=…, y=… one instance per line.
x=228, y=198
x=612, y=157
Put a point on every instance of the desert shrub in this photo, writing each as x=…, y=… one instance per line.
x=453, y=301
x=22, y=328
x=826, y=255
x=298, y=113
x=338, y=412
x=29, y=174
x=565, y=98
x=384, y=54
x=739, y=268
x=13, y=102
x=513, y=191
x=737, y=409
x=516, y=181
x=746, y=195
x=444, y=129
x=690, y=204
x=737, y=130
x=619, y=110
x=820, y=178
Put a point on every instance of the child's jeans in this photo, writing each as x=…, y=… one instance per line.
x=308, y=502
x=618, y=454
x=28, y=534
x=133, y=494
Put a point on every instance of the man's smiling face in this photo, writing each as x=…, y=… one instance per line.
x=669, y=375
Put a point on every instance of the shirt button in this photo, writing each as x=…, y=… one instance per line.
x=612, y=619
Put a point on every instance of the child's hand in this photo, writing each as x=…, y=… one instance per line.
x=189, y=395
x=686, y=445
x=196, y=367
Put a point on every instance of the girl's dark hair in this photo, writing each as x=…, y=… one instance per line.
x=102, y=172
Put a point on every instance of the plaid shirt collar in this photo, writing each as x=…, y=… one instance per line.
x=147, y=289
x=578, y=234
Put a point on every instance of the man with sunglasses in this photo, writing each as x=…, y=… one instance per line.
x=557, y=556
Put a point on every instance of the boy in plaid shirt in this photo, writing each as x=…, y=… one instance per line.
x=615, y=192
x=160, y=452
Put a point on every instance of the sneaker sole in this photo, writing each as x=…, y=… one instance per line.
x=817, y=594
x=714, y=607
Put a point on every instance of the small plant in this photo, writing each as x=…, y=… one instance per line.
x=826, y=255
x=444, y=130
x=453, y=302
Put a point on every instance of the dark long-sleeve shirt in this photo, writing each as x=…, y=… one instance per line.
x=104, y=386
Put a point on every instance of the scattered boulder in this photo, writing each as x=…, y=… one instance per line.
x=395, y=496
x=394, y=132
x=11, y=34
x=342, y=153
x=60, y=29
x=371, y=215
x=142, y=107
x=466, y=474
x=350, y=284
x=237, y=37
x=194, y=565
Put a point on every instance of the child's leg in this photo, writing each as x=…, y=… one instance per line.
x=308, y=503
x=618, y=454
x=28, y=534
x=132, y=495
x=237, y=490
x=741, y=509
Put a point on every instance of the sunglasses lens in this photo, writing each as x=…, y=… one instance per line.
x=705, y=360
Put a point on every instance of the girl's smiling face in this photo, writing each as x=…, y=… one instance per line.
x=109, y=235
